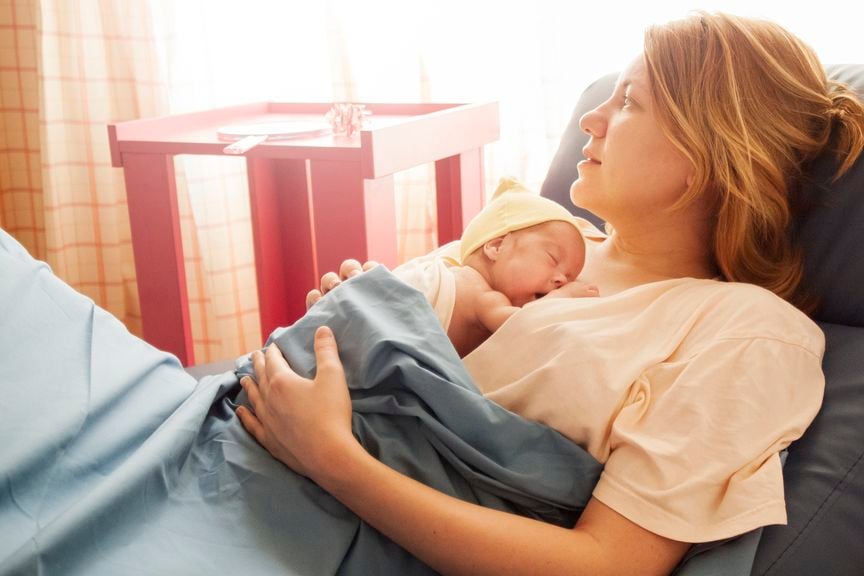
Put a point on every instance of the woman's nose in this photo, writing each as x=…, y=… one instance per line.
x=593, y=122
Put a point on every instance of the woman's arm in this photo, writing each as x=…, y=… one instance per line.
x=456, y=537
x=307, y=425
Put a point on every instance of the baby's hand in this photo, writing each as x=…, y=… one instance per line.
x=575, y=289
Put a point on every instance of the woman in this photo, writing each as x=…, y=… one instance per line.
x=699, y=369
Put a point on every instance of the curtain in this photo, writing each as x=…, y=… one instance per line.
x=68, y=69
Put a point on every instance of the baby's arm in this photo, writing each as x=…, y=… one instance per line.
x=575, y=289
x=493, y=309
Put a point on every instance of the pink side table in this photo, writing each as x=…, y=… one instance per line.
x=314, y=201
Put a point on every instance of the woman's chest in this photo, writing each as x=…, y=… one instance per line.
x=573, y=365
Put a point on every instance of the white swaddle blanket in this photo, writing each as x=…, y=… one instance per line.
x=431, y=274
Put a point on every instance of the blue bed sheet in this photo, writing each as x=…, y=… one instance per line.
x=115, y=461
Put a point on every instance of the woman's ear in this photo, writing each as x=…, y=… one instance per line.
x=492, y=248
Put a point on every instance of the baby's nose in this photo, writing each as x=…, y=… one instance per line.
x=559, y=280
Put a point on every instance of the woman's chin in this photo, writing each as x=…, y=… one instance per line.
x=577, y=189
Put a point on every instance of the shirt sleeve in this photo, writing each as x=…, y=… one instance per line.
x=695, y=447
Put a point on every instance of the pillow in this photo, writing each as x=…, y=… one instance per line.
x=562, y=171
x=832, y=232
x=824, y=475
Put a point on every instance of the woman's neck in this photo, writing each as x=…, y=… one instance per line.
x=629, y=258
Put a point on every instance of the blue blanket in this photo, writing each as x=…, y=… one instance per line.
x=115, y=461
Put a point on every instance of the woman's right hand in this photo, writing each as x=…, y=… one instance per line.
x=330, y=280
x=304, y=423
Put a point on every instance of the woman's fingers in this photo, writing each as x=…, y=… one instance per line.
x=350, y=268
x=268, y=365
x=275, y=363
x=326, y=351
x=252, y=393
x=249, y=418
x=251, y=424
x=368, y=265
x=312, y=297
x=329, y=281
x=260, y=373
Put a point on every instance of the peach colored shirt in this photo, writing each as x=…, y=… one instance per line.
x=686, y=389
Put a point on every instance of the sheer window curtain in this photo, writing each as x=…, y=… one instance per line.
x=66, y=70
x=69, y=67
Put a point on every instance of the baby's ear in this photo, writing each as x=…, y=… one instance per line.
x=492, y=248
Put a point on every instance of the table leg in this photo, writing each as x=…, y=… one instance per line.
x=157, y=244
x=282, y=234
x=460, y=194
x=353, y=217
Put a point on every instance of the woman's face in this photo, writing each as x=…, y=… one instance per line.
x=534, y=261
x=631, y=170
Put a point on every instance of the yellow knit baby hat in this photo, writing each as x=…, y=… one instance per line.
x=513, y=207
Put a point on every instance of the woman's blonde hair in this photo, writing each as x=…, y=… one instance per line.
x=749, y=104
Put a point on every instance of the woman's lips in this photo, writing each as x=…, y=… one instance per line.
x=589, y=158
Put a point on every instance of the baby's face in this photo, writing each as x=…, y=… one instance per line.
x=536, y=260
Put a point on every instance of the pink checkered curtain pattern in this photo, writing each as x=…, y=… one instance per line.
x=67, y=70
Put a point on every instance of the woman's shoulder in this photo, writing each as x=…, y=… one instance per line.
x=742, y=310
x=741, y=296
x=740, y=292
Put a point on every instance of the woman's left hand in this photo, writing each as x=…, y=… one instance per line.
x=304, y=423
x=348, y=269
